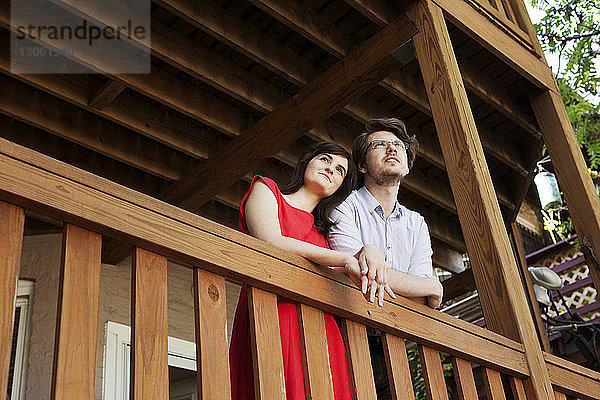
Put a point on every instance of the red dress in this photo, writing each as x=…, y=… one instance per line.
x=298, y=224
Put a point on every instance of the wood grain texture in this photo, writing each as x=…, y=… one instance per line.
x=518, y=390
x=269, y=378
x=362, y=381
x=465, y=382
x=493, y=384
x=498, y=42
x=494, y=267
x=345, y=81
x=76, y=339
x=106, y=94
x=398, y=369
x=75, y=195
x=210, y=310
x=531, y=299
x=12, y=222
x=315, y=355
x=560, y=396
x=573, y=379
x=431, y=365
x=571, y=171
x=149, y=330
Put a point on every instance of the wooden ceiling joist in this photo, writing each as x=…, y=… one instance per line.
x=341, y=84
x=106, y=94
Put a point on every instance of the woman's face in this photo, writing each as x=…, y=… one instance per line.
x=325, y=173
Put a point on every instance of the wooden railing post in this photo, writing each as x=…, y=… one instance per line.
x=149, y=357
x=76, y=341
x=494, y=266
x=12, y=220
x=571, y=171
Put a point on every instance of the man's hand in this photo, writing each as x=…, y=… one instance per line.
x=374, y=268
x=435, y=299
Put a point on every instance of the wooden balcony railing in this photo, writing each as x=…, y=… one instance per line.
x=91, y=206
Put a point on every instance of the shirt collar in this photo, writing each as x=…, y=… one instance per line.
x=373, y=205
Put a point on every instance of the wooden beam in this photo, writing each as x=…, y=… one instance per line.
x=149, y=327
x=76, y=339
x=11, y=240
x=64, y=120
x=495, y=270
x=360, y=372
x=531, y=299
x=571, y=171
x=73, y=195
x=459, y=284
x=106, y=94
x=276, y=57
x=491, y=37
x=446, y=258
x=341, y=84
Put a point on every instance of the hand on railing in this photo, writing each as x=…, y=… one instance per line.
x=435, y=299
x=373, y=265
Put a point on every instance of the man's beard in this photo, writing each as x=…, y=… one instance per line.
x=386, y=178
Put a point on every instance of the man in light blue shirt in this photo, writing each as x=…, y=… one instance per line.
x=390, y=241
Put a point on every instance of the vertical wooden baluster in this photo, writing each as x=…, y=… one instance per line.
x=398, y=369
x=313, y=339
x=210, y=309
x=560, y=396
x=269, y=379
x=431, y=365
x=12, y=220
x=493, y=384
x=518, y=390
x=465, y=382
x=149, y=358
x=75, y=345
x=362, y=381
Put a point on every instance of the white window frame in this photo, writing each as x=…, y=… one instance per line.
x=24, y=301
x=117, y=350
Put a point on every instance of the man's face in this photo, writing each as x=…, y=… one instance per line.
x=386, y=161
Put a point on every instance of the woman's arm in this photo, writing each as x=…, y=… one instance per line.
x=263, y=223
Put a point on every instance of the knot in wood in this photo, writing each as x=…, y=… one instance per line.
x=213, y=292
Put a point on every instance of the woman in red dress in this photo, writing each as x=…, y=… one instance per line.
x=295, y=219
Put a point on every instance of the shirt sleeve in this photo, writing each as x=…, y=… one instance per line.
x=420, y=261
x=344, y=234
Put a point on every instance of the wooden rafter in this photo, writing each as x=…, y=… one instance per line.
x=106, y=94
x=342, y=83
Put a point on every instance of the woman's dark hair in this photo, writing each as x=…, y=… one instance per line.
x=326, y=205
x=393, y=125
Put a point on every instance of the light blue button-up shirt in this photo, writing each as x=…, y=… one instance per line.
x=402, y=237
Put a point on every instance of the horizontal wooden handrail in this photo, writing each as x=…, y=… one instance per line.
x=33, y=180
x=572, y=378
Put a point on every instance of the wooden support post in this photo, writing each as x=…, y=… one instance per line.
x=533, y=304
x=269, y=378
x=362, y=381
x=210, y=309
x=494, y=267
x=571, y=171
x=76, y=341
x=12, y=221
x=398, y=369
x=149, y=362
x=315, y=355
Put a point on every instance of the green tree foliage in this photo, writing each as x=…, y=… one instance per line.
x=571, y=29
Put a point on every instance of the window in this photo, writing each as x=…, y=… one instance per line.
x=117, y=353
x=17, y=372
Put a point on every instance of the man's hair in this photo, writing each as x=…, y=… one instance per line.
x=326, y=205
x=393, y=125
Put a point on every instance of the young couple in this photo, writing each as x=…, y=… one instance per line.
x=382, y=246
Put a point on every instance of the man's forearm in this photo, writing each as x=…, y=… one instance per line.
x=411, y=286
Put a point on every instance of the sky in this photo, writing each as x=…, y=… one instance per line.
x=553, y=60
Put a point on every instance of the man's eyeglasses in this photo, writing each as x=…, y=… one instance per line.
x=383, y=144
